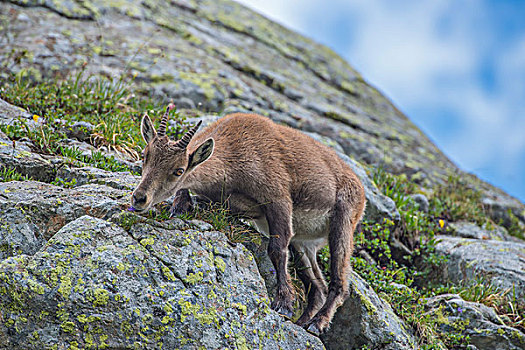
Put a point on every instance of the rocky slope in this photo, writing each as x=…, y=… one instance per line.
x=219, y=56
x=79, y=271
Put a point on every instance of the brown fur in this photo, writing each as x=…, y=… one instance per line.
x=297, y=188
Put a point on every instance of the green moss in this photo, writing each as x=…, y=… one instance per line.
x=220, y=264
x=165, y=77
x=519, y=336
x=69, y=327
x=240, y=342
x=194, y=278
x=166, y=272
x=440, y=318
x=65, y=284
x=204, y=81
x=147, y=241
x=240, y=307
x=35, y=287
x=187, y=308
x=101, y=297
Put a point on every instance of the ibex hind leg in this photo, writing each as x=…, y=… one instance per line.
x=312, y=278
x=342, y=226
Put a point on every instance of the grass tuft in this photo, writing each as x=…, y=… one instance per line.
x=11, y=174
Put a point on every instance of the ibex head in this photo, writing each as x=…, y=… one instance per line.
x=166, y=163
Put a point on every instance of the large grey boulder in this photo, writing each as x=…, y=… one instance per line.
x=480, y=323
x=94, y=285
x=501, y=263
x=32, y=212
x=366, y=319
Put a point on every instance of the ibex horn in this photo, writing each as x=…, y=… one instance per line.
x=183, y=143
x=164, y=121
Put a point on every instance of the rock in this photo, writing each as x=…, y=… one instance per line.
x=32, y=212
x=504, y=210
x=480, y=323
x=184, y=102
x=95, y=285
x=10, y=114
x=326, y=141
x=501, y=263
x=80, y=130
x=422, y=202
x=365, y=319
x=466, y=229
x=85, y=175
x=19, y=156
x=264, y=264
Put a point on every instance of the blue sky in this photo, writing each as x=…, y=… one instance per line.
x=455, y=67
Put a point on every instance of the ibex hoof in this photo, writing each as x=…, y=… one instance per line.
x=285, y=312
x=313, y=329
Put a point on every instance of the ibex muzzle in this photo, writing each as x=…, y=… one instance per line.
x=294, y=188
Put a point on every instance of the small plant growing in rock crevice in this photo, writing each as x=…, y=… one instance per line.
x=11, y=174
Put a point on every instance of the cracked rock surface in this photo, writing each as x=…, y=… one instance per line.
x=95, y=285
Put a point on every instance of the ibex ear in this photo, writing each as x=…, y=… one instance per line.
x=147, y=129
x=203, y=152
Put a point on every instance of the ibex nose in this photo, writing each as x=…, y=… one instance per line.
x=139, y=199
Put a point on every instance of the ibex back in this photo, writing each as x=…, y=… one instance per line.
x=293, y=187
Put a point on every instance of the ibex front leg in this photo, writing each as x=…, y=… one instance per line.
x=279, y=217
x=182, y=203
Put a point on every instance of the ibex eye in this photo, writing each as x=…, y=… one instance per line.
x=178, y=172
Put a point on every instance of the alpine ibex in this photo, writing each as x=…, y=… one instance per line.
x=293, y=187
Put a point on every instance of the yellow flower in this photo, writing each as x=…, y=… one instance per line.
x=35, y=117
x=441, y=223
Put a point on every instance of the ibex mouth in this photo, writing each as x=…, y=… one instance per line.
x=136, y=210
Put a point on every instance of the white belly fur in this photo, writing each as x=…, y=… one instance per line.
x=308, y=225
x=311, y=223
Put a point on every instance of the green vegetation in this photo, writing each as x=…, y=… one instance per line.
x=105, y=103
x=457, y=200
x=216, y=214
x=74, y=156
x=10, y=174
x=406, y=282
x=508, y=306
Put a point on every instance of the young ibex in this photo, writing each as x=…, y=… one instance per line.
x=290, y=185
